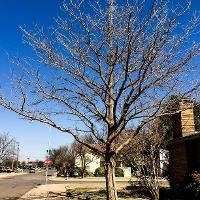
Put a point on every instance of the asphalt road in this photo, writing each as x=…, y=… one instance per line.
x=12, y=188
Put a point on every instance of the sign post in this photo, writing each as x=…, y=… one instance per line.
x=47, y=162
x=46, y=175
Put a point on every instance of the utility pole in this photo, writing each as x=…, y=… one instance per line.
x=17, y=153
x=27, y=161
x=13, y=154
x=47, y=166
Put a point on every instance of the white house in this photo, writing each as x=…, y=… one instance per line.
x=163, y=161
x=92, y=162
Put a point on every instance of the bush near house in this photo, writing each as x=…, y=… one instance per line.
x=77, y=171
x=99, y=172
x=190, y=188
x=119, y=172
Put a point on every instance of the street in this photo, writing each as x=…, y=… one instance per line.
x=12, y=188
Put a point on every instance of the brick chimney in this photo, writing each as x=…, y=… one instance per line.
x=187, y=118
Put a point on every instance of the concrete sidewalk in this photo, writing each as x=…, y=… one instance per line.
x=7, y=175
x=119, y=180
x=90, y=179
x=42, y=192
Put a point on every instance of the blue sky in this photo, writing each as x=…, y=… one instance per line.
x=33, y=137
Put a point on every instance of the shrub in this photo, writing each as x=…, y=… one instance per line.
x=90, y=174
x=99, y=172
x=59, y=174
x=119, y=172
x=190, y=188
x=69, y=193
x=77, y=171
x=102, y=191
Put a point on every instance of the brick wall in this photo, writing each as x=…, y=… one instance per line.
x=184, y=159
x=187, y=118
x=178, y=163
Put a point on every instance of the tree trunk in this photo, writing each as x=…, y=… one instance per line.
x=110, y=182
x=82, y=167
x=155, y=194
x=155, y=183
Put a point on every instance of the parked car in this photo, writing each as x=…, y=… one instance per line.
x=18, y=169
x=5, y=169
x=32, y=170
x=2, y=169
x=9, y=170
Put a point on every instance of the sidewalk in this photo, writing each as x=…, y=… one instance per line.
x=119, y=180
x=6, y=175
x=43, y=192
x=90, y=179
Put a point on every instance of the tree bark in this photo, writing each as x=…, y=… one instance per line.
x=83, y=166
x=155, y=194
x=110, y=181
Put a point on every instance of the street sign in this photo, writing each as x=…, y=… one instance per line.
x=47, y=162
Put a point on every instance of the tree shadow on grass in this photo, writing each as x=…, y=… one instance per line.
x=98, y=194
x=87, y=194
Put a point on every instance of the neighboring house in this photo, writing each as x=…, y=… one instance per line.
x=92, y=162
x=163, y=162
x=184, y=149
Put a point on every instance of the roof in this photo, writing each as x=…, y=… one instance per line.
x=83, y=148
x=191, y=136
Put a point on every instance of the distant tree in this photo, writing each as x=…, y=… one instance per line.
x=10, y=162
x=23, y=163
x=8, y=149
x=63, y=159
x=105, y=66
x=81, y=153
x=40, y=163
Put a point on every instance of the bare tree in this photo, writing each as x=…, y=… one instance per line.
x=7, y=148
x=105, y=67
x=144, y=156
x=63, y=159
x=81, y=153
x=39, y=163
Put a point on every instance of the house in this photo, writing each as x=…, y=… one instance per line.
x=184, y=148
x=93, y=161
x=163, y=162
